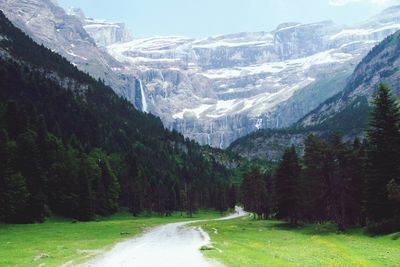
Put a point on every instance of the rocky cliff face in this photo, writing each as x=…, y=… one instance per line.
x=346, y=112
x=52, y=26
x=382, y=64
x=220, y=88
x=217, y=89
x=103, y=32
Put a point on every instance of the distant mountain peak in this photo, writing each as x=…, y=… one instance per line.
x=287, y=25
x=388, y=15
x=103, y=32
x=392, y=9
x=77, y=12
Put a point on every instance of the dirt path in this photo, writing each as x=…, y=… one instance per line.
x=170, y=245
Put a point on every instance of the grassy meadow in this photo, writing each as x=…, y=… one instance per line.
x=246, y=242
x=59, y=241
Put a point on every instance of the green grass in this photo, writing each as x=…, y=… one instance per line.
x=247, y=242
x=64, y=241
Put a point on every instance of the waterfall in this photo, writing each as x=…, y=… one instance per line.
x=144, y=102
x=221, y=144
x=259, y=124
x=208, y=139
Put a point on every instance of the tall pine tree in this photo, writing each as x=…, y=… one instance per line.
x=383, y=154
x=287, y=186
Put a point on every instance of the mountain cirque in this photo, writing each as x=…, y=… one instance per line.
x=216, y=89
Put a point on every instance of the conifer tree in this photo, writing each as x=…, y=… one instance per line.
x=28, y=161
x=340, y=182
x=315, y=184
x=288, y=187
x=85, y=210
x=254, y=193
x=356, y=186
x=14, y=199
x=383, y=154
x=232, y=197
x=270, y=196
x=393, y=190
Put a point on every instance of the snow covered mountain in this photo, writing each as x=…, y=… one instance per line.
x=382, y=64
x=216, y=89
x=347, y=112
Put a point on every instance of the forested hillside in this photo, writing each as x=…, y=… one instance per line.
x=70, y=146
x=350, y=183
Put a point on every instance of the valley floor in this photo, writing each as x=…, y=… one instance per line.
x=247, y=242
x=59, y=241
x=238, y=242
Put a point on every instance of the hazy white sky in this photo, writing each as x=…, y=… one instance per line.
x=201, y=18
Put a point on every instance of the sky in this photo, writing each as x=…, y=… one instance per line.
x=203, y=18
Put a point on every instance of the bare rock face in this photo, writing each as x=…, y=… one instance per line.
x=382, y=64
x=103, y=32
x=50, y=25
x=216, y=89
x=346, y=112
x=220, y=88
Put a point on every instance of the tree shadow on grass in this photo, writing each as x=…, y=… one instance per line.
x=396, y=236
x=287, y=226
x=308, y=229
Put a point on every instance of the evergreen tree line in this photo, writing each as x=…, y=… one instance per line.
x=350, y=183
x=60, y=157
x=70, y=146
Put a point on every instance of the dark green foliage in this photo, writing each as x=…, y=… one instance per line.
x=332, y=182
x=232, y=197
x=14, y=197
x=383, y=154
x=352, y=120
x=265, y=133
x=351, y=184
x=28, y=163
x=288, y=187
x=327, y=186
x=386, y=226
x=315, y=180
x=393, y=190
x=254, y=190
x=340, y=182
x=14, y=194
x=107, y=190
x=84, y=194
x=70, y=146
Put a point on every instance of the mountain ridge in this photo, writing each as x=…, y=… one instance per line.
x=217, y=89
x=222, y=101
x=346, y=112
